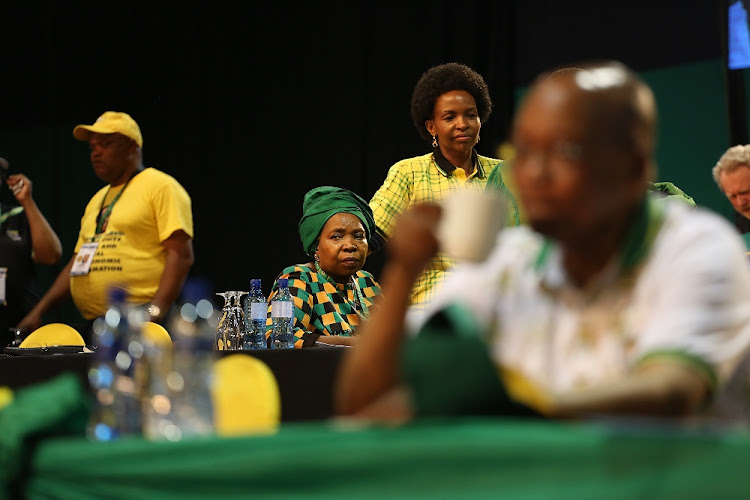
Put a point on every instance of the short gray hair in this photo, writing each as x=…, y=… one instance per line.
x=734, y=158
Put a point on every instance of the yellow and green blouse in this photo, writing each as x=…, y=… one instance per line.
x=427, y=178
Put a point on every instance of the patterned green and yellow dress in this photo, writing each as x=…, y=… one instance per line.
x=321, y=305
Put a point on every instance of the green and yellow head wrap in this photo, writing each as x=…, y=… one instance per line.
x=321, y=204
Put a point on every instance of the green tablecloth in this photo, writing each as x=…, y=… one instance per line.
x=459, y=459
x=437, y=458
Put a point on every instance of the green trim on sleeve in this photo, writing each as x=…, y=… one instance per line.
x=699, y=364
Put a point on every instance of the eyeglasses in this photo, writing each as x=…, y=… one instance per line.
x=562, y=151
x=560, y=156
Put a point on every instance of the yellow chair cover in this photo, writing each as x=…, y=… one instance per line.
x=53, y=334
x=156, y=334
x=245, y=396
x=6, y=396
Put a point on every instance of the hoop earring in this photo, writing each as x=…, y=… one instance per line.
x=477, y=138
x=317, y=259
x=434, y=142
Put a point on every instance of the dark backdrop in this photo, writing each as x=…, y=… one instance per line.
x=250, y=105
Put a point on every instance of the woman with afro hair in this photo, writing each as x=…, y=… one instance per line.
x=449, y=104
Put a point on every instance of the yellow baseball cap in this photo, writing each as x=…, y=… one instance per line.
x=111, y=122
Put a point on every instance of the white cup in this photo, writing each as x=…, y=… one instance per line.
x=471, y=222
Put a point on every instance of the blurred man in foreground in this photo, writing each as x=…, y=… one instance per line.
x=607, y=303
x=136, y=231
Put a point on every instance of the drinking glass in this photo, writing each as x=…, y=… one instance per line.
x=238, y=313
x=221, y=339
x=231, y=329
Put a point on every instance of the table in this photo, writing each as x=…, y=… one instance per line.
x=305, y=376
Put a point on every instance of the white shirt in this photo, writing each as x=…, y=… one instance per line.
x=688, y=296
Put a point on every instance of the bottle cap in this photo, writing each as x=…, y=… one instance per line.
x=283, y=282
x=255, y=283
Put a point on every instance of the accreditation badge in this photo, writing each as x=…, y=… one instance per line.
x=84, y=257
x=3, y=275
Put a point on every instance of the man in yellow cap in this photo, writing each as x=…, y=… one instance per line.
x=136, y=231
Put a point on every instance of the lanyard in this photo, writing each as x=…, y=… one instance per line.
x=104, y=212
x=13, y=211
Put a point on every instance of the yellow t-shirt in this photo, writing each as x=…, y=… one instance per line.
x=151, y=208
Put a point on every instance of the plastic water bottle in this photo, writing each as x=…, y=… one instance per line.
x=114, y=374
x=256, y=308
x=282, y=317
x=180, y=396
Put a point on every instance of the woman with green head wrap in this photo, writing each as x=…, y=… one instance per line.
x=332, y=294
